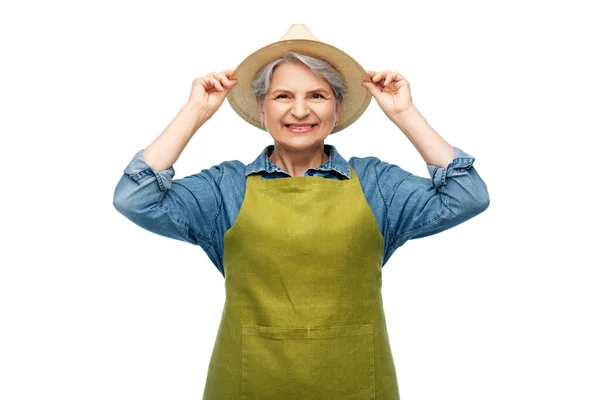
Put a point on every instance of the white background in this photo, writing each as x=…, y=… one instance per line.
x=504, y=306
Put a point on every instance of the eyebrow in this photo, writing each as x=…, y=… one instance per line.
x=318, y=89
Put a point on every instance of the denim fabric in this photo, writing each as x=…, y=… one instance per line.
x=200, y=208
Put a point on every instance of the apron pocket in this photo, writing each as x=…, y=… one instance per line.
x=308, y=363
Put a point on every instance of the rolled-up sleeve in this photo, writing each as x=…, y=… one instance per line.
x=419, y=207
x=183, y=209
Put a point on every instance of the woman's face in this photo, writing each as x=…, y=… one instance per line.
x=299, y=109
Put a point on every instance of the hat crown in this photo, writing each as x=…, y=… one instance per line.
x=299, y=31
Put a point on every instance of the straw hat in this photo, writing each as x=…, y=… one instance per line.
x=299, y=39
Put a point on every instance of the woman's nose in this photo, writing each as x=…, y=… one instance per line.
x=300, y=109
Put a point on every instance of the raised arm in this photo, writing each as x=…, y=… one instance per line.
x=417, y=206
x=146, y=194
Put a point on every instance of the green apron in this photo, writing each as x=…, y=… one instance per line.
x=303, y=315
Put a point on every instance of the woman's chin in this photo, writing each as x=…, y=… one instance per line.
x=300, y=141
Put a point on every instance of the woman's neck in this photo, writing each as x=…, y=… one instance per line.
x=296, y=163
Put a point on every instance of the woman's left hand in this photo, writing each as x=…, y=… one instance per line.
x=391, y=90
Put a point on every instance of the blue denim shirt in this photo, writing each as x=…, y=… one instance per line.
x=200, y=208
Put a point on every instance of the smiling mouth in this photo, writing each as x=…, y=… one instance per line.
x=300, y=128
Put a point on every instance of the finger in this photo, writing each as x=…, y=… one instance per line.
x=395, y=85
x=229, y=75
x=227, y=81
x=389, y=78
x=221, y=79
x=399, y=77
x=204, y=82
x=382, y=75
x=371, y=74
x=215, y=82
x=373, y=88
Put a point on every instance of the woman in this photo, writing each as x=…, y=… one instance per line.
x=301, y=234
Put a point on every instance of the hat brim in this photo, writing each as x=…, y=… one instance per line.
x=355, y=101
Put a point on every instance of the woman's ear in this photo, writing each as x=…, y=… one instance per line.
x=261, y=111
x=338, y=109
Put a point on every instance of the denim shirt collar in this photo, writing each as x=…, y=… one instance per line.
x=335, y=162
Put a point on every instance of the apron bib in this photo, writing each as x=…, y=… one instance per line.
x=303, y=315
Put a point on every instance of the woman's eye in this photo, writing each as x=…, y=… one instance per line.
x=314, y=96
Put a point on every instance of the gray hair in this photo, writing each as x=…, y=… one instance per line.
x=321, y=68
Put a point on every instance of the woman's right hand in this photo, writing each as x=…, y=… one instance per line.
x=209, y=92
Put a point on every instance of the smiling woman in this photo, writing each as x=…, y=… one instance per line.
x=300, y=234
x=299, y=109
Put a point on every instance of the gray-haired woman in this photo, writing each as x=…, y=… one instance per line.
x=300, y=234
